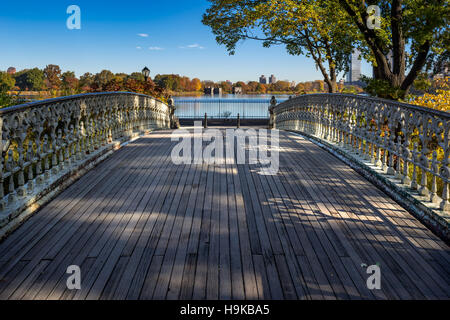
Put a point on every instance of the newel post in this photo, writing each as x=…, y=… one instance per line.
x=273, y=103
x=170, y=103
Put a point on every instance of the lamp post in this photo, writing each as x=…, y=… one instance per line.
x=146, y=73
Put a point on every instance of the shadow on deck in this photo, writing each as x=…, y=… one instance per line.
x=141, y=227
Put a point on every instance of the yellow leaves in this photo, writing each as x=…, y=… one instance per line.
x=438, y=101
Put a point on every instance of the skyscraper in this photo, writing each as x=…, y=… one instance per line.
x=354, y=70
x=262, y=80
x=272, y=79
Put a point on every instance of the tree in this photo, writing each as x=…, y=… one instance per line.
x=101, y=79
x=320, y=29
x=281, y=86
x=52, y=74
x=69, y=81
x=243, y=85
x=7, y=81
x=116, y=84
x=86, y=82
x=226, y=87
x=196, y=84
x=30, y=79
x=168, y=81
x=409, y=31
x=136, y=76
x=300, y=88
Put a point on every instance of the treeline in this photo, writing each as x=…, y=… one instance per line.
x=174, y=83
x=53, y=80
x=56, y=82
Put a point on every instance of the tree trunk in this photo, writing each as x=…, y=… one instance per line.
x=394, y=74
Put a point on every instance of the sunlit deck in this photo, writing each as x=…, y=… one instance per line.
x=141, y=227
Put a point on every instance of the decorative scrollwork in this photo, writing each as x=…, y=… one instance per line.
x=40, y=141
x=406, y=141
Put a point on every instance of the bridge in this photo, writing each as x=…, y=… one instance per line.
x=90, y=181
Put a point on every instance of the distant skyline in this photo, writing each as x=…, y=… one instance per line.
x=166, y=36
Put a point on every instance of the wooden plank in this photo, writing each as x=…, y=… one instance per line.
x=149, y=229
x=60, y=240
x=201, y=274
x=152, y=277
x=93, y=236
x=393, y=238
x=144, y=232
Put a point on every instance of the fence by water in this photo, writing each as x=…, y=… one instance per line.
x=223, y=108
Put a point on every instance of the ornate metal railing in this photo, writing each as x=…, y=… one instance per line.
x=43, y=141
x=407, y=142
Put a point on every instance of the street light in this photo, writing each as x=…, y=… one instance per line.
x=146, y=73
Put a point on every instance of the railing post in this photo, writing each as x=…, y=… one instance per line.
x=238, y=121
x=273, y=103
x=205, y=124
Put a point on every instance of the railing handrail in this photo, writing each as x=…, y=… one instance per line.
x=45, y=142
x=218, y=100
x=38, y=103
x=372, y=99
x=409, y=145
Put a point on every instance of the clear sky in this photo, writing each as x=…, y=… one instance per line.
x=124, y=36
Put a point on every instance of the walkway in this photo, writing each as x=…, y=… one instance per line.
x=141, y=227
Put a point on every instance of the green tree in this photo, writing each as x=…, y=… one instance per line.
x=319, y=29
x=7, y=82
x=30, y=79
x=410, y=30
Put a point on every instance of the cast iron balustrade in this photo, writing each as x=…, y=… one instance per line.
x=408, y=142
x=46, y=140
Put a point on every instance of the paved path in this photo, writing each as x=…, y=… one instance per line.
x=141, y=227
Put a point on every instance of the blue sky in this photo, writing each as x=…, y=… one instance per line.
x=124, y=36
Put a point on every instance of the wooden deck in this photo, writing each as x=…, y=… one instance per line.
x=141, y=227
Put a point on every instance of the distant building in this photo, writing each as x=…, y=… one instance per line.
x=11, y=70
x=237, y=90
x=293, y=84
x=213, y=91
x=443, y=73
x=262, y=80
x=354, y=70
x=272, y=79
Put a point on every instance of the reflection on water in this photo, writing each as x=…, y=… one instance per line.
x=225, y=106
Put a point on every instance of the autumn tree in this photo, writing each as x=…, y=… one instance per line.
x=52, y=75
x=316, y=28
x=86, y=81
x=226, y=87
x=69, y=82
x=136, y=76
x=101, y=79
x=7, y=81
x=196, y=84
x=409, y=31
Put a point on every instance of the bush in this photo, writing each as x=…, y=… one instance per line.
x=382, y=89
